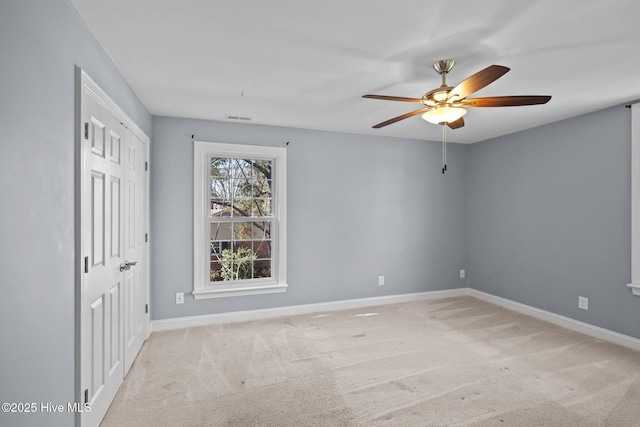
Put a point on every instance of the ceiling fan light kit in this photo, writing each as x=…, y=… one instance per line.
x=443, y=115
x=443, y=105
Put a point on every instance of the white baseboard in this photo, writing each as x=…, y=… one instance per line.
x=566, y=322
x=267, y=313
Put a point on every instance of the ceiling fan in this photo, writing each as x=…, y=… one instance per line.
x=446, y=105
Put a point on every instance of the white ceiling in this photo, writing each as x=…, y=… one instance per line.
x=307, y=64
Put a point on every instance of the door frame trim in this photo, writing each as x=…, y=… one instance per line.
x=84, y=84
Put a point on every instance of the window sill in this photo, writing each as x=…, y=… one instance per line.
x=635, y=289
x=239, y=291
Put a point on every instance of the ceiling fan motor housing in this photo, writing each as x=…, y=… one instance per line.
x=444, y=65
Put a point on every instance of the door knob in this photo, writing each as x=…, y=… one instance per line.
x=127, y=265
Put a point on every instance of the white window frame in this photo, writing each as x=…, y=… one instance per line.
x=202, y=287
x=635, y=200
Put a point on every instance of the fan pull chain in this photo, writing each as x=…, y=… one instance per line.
x=444, y=148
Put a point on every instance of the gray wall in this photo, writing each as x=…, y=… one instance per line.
x=41, y=41
x=358, y=207
x=549, y=214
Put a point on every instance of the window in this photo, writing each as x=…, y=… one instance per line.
x=239, y=220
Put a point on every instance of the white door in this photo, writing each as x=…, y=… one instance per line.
x=102, y=353
x=113, y=323
x=135, y=239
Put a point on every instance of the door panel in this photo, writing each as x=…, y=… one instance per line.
x=116, y=246
x=130, y=301
x=97, y=218
x=97, y=346
x=114, y=329
x=97, y=136
x=116, y=143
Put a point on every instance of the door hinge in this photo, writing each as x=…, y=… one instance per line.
x=146, y=308
x=86, y=131
x=146, y=237
x=86, y=264
x=86, y=395
x=146, y=166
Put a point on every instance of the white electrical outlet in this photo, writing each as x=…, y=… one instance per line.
x=462, y=274
x=583, y=303
x=180, y=298
x=380, y=280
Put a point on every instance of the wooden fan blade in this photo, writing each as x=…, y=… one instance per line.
x=506, y=101
x=477, y=81
x=402, y=117
x=456, y=124
x=392, y=98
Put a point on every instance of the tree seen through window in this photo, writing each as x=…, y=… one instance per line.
x=240, y=219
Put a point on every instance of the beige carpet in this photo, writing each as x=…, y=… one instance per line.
x=447, y=362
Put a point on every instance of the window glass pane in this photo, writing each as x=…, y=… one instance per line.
x=243, y=257
x=251, y=173
x=242, y=188
x=262, y=230
x=242, y=230
x=243, y=249
x=261, y=207
x=262, y=169
x=262, y=249
x=221, y=188
x=241, y=269
x=242, y=168
x=262, y=188
x=214, y=246
x=262, y=268
x=220, y=231
x=215, y=272
x=231, y=188
x=217, y=249
x=220, y=167
x=242, y=207
x=223, y=269
x=220, y=208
